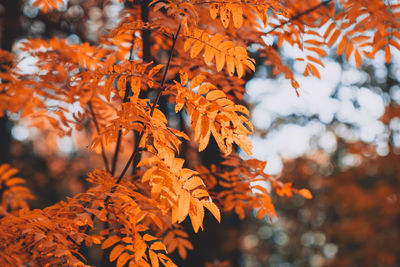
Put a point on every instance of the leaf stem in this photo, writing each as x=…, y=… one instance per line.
x=103, y=153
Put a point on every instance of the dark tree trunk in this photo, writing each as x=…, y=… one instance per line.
x=10, y=12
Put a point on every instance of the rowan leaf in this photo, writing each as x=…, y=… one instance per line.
x=158, y=246
x=193, y=182
x=196, y=81
x=237, y=15
x=153, y=259
x=110, y=241
x=116, y=251
x=387, y=54
x=305, y=193
x=184, y=77
x=212, y=208
x=357, y=57
x=123, y=259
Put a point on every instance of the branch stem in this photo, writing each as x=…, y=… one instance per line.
x=125, y=100
x=298, y=16
x=161, y=89
x=103, y=153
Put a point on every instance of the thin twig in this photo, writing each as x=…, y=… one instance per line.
x=133, y=155
x=103, y=153
x=305, y=12
x=136, y=151
x=146, y=57
x=175, y=37
x=125, y=100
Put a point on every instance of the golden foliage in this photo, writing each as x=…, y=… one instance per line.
x=14, y=194
x=215, y=114
x=120, y=96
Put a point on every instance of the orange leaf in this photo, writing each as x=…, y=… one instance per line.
x=153, y=259
x=196, y=81
x=305, y=193
x=158, y=246
x=155, y=70
x=214, y=9
x=225, y=16
x=314, y=70
x=117, y=250
x=341, y=46
x=148, y=237
x=213, y=209
x=319, y=51
x=349, y=50
x=193, y=182
x=334, y=37
x=184, y=77
x=237, y=15
x=387, y=54
x=357, y=57
x=196, y=48
x=123, y=259
x=205, y=88
x=110, y=241
x=183, y=206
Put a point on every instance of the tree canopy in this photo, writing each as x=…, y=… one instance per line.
x=155, y=90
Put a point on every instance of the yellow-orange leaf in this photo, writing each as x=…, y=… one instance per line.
x=357, y=57
x=349, y=50
x=214, y=9
x=319, y=51
x=158, y=246
x=316, y=60
x=341, y=46
x=14, y=181
x=212, y=208
x=148, y=237
x=110, y=241
x=193, y=182
x=117, y=250
x=153, y=259
x=215, y=94
x=219, y=60
x=122, y=260
x=183, y=206
x=205, y=88
x=140, y=249
x=387, y=54
x=230, y=64
x=205, y=132
x=196, y=48
x=196, y=81
x=225, y=16
x=305, y=193
x=237, y=15
x=334, y=37
x=155, y=70
x=183, y=77
x=314, y=70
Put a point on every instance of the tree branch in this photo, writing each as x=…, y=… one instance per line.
x=298, y=16
x=103, y=153
x=133, y=155
x=125, y=100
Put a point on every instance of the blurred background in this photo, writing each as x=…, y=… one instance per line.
x=340, y=138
